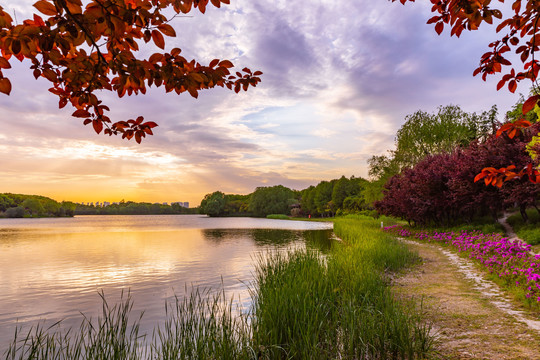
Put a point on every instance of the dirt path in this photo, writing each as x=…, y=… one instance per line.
x=509, y=231
x=465, y=317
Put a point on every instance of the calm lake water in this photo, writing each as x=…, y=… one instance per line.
x=54, y=268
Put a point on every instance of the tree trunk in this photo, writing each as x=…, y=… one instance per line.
x=523, y=211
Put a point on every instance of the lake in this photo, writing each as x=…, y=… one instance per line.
x=54, y=268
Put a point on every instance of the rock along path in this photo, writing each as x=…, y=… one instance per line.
x=470, y=317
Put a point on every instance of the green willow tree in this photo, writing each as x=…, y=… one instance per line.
x=450, y=127
x=271, y=200
x=213, y=204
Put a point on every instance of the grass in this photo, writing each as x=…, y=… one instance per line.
x=484, y=224
x=305, y=305
x=529, y=232
x=110, y=337
x=278, y=216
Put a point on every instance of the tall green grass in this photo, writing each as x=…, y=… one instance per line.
x=306, y=305
x=203, y=325
x=529, y=232
x=339, y=306
x=111, y=336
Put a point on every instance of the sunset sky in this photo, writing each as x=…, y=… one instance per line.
x=339, y=78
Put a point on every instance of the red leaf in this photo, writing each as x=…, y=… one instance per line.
x=16, y=46
x=193, y=92
x=529, y=104
x=4, y=64
x=150, y=124
x=479, y=176
x=226, y=64
x=433, y=20
x=439, y=27
x=158, y=39
x=202, y=5
x=46, y=8
x=167, y=30
x=81, y=113
x=512, y=86
x=5, y=86
x=98, y=125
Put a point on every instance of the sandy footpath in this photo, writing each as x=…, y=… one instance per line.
x=470, y=317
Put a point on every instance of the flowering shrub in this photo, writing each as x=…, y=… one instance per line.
x=510, y=260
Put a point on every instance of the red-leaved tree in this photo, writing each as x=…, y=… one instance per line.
x=85, y=49
x=440, y=188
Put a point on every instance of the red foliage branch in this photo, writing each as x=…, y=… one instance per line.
x=83, y=51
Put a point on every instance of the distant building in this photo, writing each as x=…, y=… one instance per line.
x=166, y=203
x=106, y=203
x=181, y=203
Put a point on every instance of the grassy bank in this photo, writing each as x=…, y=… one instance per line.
x=528, y=231
x=305, y=305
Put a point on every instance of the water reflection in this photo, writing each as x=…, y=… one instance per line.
x=53, y=269
x=316, y=239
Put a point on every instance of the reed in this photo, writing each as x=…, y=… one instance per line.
x=111, y=336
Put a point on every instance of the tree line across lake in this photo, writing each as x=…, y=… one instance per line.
x=19, y=205
x=327, y=198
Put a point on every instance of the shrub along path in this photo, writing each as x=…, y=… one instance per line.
x=468, y=324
